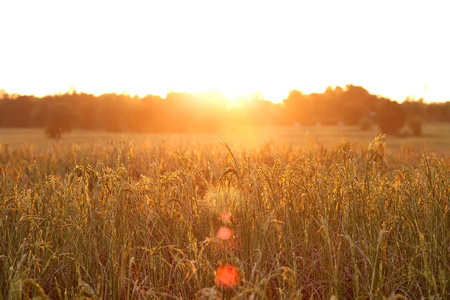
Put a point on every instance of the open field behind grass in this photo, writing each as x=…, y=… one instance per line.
x=435, y=137
x=311, y=215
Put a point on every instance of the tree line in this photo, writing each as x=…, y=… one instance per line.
x=212, y=111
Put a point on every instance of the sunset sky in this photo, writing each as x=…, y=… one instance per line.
x=392, y=48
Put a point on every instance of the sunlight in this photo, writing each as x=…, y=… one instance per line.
x=224, y=233
x=227, y=276
x=154, y=47
x=225, y=217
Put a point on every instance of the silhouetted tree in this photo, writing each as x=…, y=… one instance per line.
x=415, y=124
x=61, y=120
x=300, y=108
x=415, y=108
x=353, y=112
x=3, y=94
x=209, y=111
x=16, y=112
x=391, y=117
x=439, y=111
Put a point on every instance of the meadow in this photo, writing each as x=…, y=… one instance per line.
x=435, y=137
x=308, y=213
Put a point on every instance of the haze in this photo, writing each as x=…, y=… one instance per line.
x=395, y=49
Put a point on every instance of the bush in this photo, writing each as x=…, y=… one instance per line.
x=415, y=124
x=391, y=118
x=53, y=131
x=60, y=121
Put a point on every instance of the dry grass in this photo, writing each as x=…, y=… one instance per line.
x=138, y=220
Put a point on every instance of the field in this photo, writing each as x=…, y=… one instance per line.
x=435, y=138
x=284, y=213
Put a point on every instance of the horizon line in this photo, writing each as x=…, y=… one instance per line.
x=72, y=90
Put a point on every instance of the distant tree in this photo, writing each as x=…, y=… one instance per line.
x=355, y=94
x=438, y=111
x=414, y=108
x=60, y=120
x=16, y=112
x=3, y=94
x=391, y=117
x=114, y=112
x=88, y=111
x=331, y=105
x=295, y=107
x=355, y=103
x=415, y=124
x=53, y=131
x=210, y=111
x=301, y=108
x=353, y=112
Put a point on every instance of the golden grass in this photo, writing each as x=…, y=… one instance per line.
x=137, y=219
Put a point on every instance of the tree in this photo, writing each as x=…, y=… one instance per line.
x=391, y=117
x=415, y=124
x=353, y=112
x=61, y=120
x=415, y=108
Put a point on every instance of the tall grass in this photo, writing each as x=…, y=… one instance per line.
x=140, y=222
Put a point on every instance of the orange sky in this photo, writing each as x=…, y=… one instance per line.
x=392, y=48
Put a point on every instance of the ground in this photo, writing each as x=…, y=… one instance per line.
x=435, y=137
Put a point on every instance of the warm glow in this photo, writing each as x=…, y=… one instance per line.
x=225, y=217
x=227, y=276
x=394, y=49
x=224, y=233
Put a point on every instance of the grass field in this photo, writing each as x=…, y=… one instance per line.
x=293, y=213
x=435, y=137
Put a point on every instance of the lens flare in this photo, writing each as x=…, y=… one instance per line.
x=227, y=276
x=225, y=217
x=224, y=233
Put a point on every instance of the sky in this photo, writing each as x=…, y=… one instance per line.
x=392, y=48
